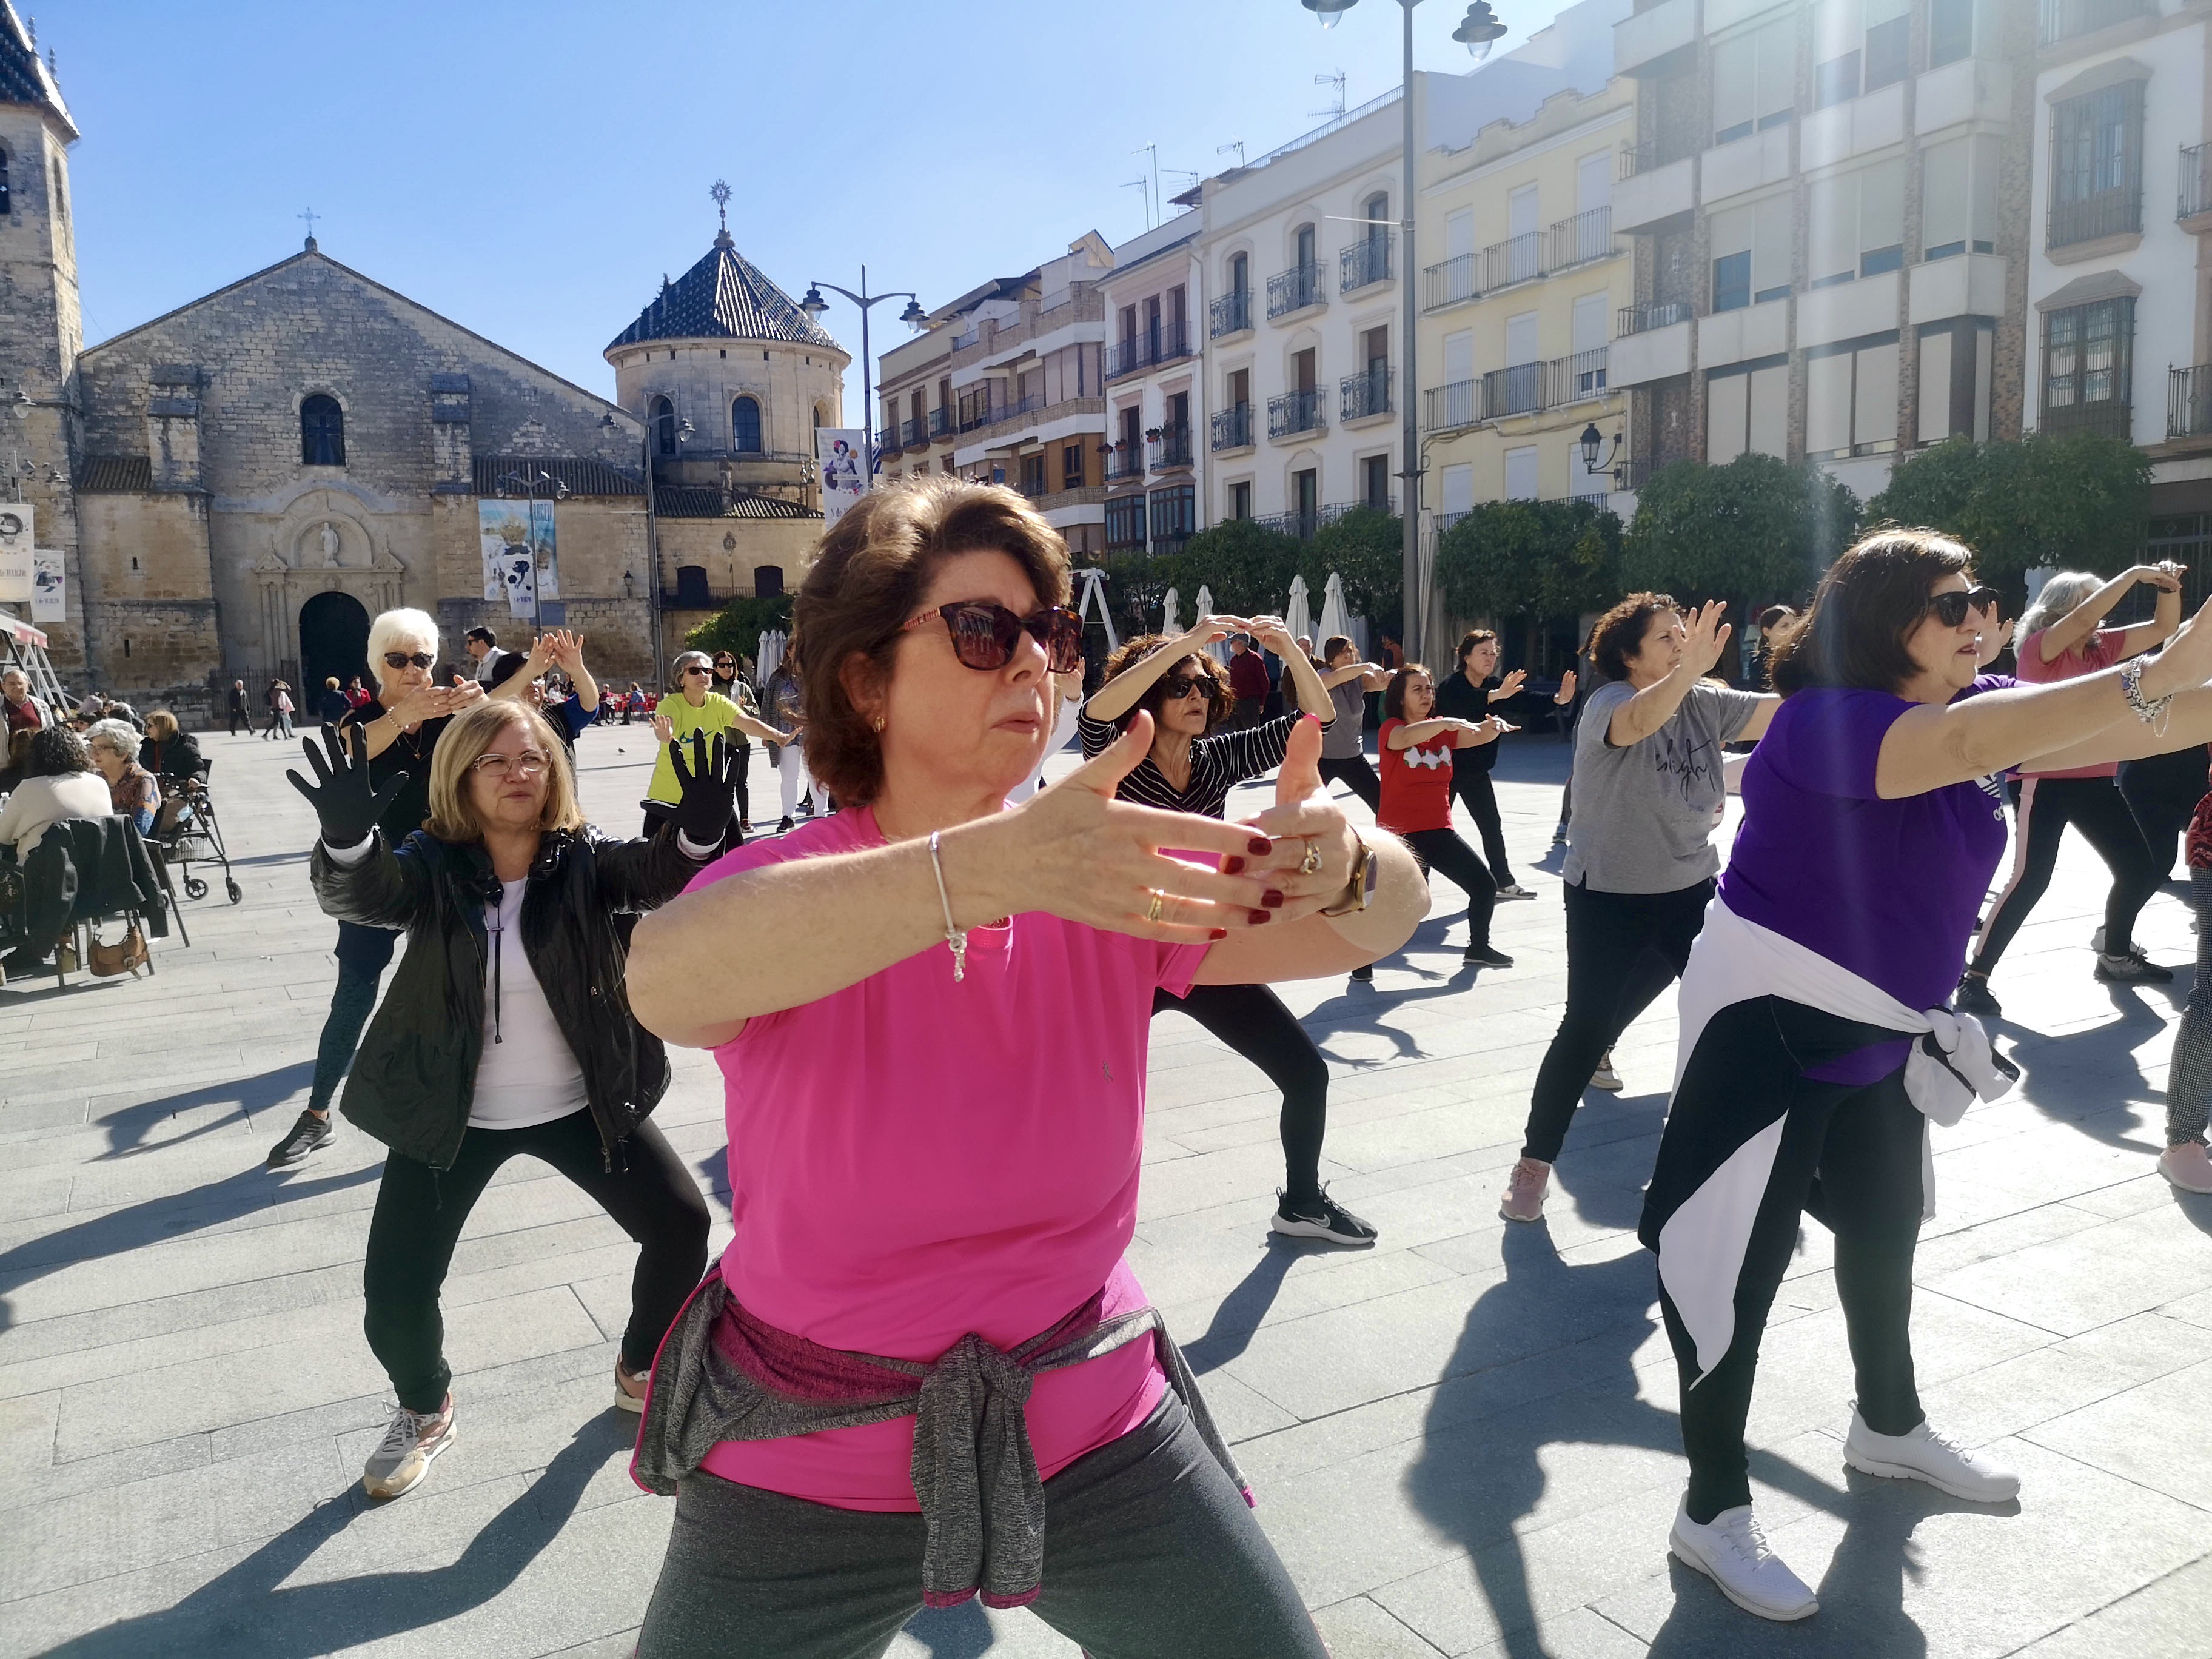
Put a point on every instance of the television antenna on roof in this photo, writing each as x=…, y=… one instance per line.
x=1337, y=80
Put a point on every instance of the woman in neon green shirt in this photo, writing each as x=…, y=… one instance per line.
x=695, y=709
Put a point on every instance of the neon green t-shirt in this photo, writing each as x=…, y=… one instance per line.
x=717, y=714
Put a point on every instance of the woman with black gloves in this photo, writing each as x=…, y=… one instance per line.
x=506, y=1030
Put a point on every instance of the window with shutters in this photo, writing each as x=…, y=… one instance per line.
x=1747, y=411
x=1754, y=81
x=1856, y=224
x=1959, y=197
x=2096, y=164
x=1950, y=31
x=2088, y=361
x=1751, y=254
x=1851, y=399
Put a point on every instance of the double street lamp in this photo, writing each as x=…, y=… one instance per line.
x=913, y=317
x=1478, y=31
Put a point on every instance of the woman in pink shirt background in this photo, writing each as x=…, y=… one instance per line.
x=934, y=1045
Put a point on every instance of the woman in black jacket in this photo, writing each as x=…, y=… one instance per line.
x=506, y=1030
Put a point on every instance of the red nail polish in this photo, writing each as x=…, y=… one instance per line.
x=1233, y=866
x=1273, y=898
x=1258, y=916
x=1260, y=848
x=1219, y=932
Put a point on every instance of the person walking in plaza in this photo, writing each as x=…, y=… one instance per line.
x=132, y=791
x=1816, y=1047
x=1467, y=695
x=1344, y=745
x=268, y=702
x=240, y=718
x=1416, y=745
x=923, y=1368
x=783, y=706
x=696, y=710
x=2061, y=639
x=1248, y=682
x=399, y=733
x=1191, y=766
x=1640, y=866
x=506, y=1033
x=331, y=705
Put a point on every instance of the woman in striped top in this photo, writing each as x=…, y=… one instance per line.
x=1195, y=761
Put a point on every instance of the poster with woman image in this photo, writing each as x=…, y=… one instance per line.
x=841, y=452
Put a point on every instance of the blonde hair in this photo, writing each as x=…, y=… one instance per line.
x=453, y=813
x=160, y=726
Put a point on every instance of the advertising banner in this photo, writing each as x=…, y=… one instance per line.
x=520, y=550
x=49, y=586
x=841, y=453
x=15, y=540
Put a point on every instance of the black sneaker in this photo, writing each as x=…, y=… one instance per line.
x=1319, y=1216
x=1973, y=997
x=784, y=828
x=310, y=1134
x=1484, y=956
x=2133, y=969
x=1363, y=975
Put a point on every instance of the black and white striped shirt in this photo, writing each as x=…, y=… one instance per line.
x=1218, y=762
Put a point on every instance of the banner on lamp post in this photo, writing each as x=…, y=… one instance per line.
x=841, y=455
x=520, y=552
x=49, y=586
x=15, y=546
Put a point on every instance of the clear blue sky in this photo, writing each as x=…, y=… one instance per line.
x=530, y=170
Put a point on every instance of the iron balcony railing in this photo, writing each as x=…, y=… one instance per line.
x=1585, y=237
x=1516, y=259
x=1306, y=525
x=2195, y=181
x=1633, y=473
x=914, y=433
x=1577, y=378
x=1518, y=390
x=1232, y=427
x=1231, y=313
x=1172, y=447
x=1366, y=261
x=1163, y=344
x=1455, y=405
x=887, y=438
x=1657, y=313
x=1294, y=412
x=980, y=415
x=2188, y=402
x=940, y=423
x=1034, y=488
x=1449, y=282
x=2108, y=213
x=1365, y=393
x=1444, y=521
x=1295, y=289
x=1126, y=463
x=1523, y=389
x=2061, y=20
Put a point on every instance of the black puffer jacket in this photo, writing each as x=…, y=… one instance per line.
x=414, y=1075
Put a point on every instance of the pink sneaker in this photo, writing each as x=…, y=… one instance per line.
x=1524, y=1192
x=2187, y=1166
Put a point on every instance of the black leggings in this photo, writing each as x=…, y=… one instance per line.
x=2095, y=806
x=1357, y=773
x=2162, y=791
x=420, y=1213
x=1251, y=1020
x=363, y=954
x=1442, y=850
x=1471, y=788
x=1849, y=1157
x=1623, y=949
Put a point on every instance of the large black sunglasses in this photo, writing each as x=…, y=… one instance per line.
x=984, y=634
x=1950, y=609
x=401, y=659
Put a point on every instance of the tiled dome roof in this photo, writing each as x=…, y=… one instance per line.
x=724, y=296
x=23, y=78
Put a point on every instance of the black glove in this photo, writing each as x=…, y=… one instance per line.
x=707, y=787
x=342, y=802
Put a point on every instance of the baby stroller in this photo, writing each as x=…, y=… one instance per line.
x=185, y=832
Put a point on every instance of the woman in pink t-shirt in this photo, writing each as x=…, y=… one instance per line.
x=2060, y=640
x=910, y=1376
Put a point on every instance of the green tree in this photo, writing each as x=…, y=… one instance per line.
x=1756, y=530
x=739, y=624
x=2078, y=501
x=1247, y=566
x=1533, y=558
x=1367, y=549
x=1137, y=587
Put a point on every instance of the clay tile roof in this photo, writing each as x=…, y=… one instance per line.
x=724, y=297
x=696, y=502
x=115, y=475
x=23, y=78
x=583, y=476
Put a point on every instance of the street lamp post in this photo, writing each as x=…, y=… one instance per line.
x=529, y=484
x=814, y=305
x=1478, y=31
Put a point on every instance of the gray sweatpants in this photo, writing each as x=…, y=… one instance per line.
x=1150, y=1552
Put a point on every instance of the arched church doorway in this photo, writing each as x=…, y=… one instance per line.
x=333, y=640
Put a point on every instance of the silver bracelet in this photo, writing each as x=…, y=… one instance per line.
x=2152, y=712
x=956, y=937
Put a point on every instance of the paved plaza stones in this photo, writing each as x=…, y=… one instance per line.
x=1463, y=1440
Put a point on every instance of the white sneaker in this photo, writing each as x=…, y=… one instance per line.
x=1605, y=1077
x=1732, y=1552
x=1923, y=1454
x=1523, y=1199
x=2187, y=1167
x=403, y=1456
x=1514, y=890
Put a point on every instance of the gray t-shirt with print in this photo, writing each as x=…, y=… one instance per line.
x=1644, y=815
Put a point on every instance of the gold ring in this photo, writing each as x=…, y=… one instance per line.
x=1152, y=912
x=1312, y=860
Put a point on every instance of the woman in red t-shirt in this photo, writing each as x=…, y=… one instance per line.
x=1416, y=751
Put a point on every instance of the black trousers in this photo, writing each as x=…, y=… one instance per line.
x=1849, y=1157
x=1251, y=1020
x=1357, y=773
x=1443, y=851
x=420, y=1213
x=2095, y=806
x=1623, y=949
x=363, y=954
x=1471, y=787
x=2162, y=791
x=239, y=717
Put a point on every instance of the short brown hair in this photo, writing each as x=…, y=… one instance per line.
x=453, y=813
x=864, y=583
x=1334, y=643
x=1219, y=699
x=1473, y=637
x=1853, y=634
x=1393, y=695
x=1618, y=634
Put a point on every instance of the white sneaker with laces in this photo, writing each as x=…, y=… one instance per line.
x=403, y=1457
x=1605, y=1077
x=1514, y=890
x=1732, y=1552
x=1925, y=1454
x=2187, y=1167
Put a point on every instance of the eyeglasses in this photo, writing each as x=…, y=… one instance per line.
x=984, y=635
x=725, y=662
x=1950, y=609
x=1180, y=686
x=527, y=764
x=695, y=668
x=401, y=659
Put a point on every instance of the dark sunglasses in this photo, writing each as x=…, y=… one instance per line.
x=401, y=659
x=1180, y=686
x=695, y=668
x=1950, y=609
x=984, y=635
x=723, y=662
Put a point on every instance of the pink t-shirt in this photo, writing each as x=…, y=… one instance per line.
x=912, y=1159
x=2100, y=651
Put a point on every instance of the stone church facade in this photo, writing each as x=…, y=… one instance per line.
x=238, y=486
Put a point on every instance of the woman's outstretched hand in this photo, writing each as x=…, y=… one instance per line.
x=345, y=807
x=706, y=789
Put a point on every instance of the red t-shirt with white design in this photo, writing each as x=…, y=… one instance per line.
x=1416, y=783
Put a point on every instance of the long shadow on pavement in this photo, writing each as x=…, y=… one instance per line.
x=2086, y=1078
x=127, y=1129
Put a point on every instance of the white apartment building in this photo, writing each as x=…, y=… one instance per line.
x=1154, y=455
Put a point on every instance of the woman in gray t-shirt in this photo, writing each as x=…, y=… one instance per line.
x=1344, y=740
x=1648, y=790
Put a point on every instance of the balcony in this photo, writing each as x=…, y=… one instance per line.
x=1973, y=284
x=1745, y=164
x=1449, y=282
x=1577, y=379
x=1232, y=429
x=913, y=433
x=1653, y=33
x=1296, y=412
x=1652, y=344
x=1164, y=344
x=1456, y=405
x=1297, y=289
x=1516, y=259
x=1660, y=313
x=1364, y=395
x=1585, y=237
x=2091, y=218
x=2188, y=402
x=1171, y=449
x=1127, y=462
x=1365, y=263
x=1307, y=524
x=1846, y=311
x=1518, y=390
x=975, y=417
x=1230, y=315
x=2113, y=418
x=2061, y=20
x=1652, y=189
x=1965, y=89
x=887, y=438
x=2196, y=197
x=1856, y=127
x=940, y=423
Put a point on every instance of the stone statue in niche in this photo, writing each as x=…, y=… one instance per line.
x=329, y=538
